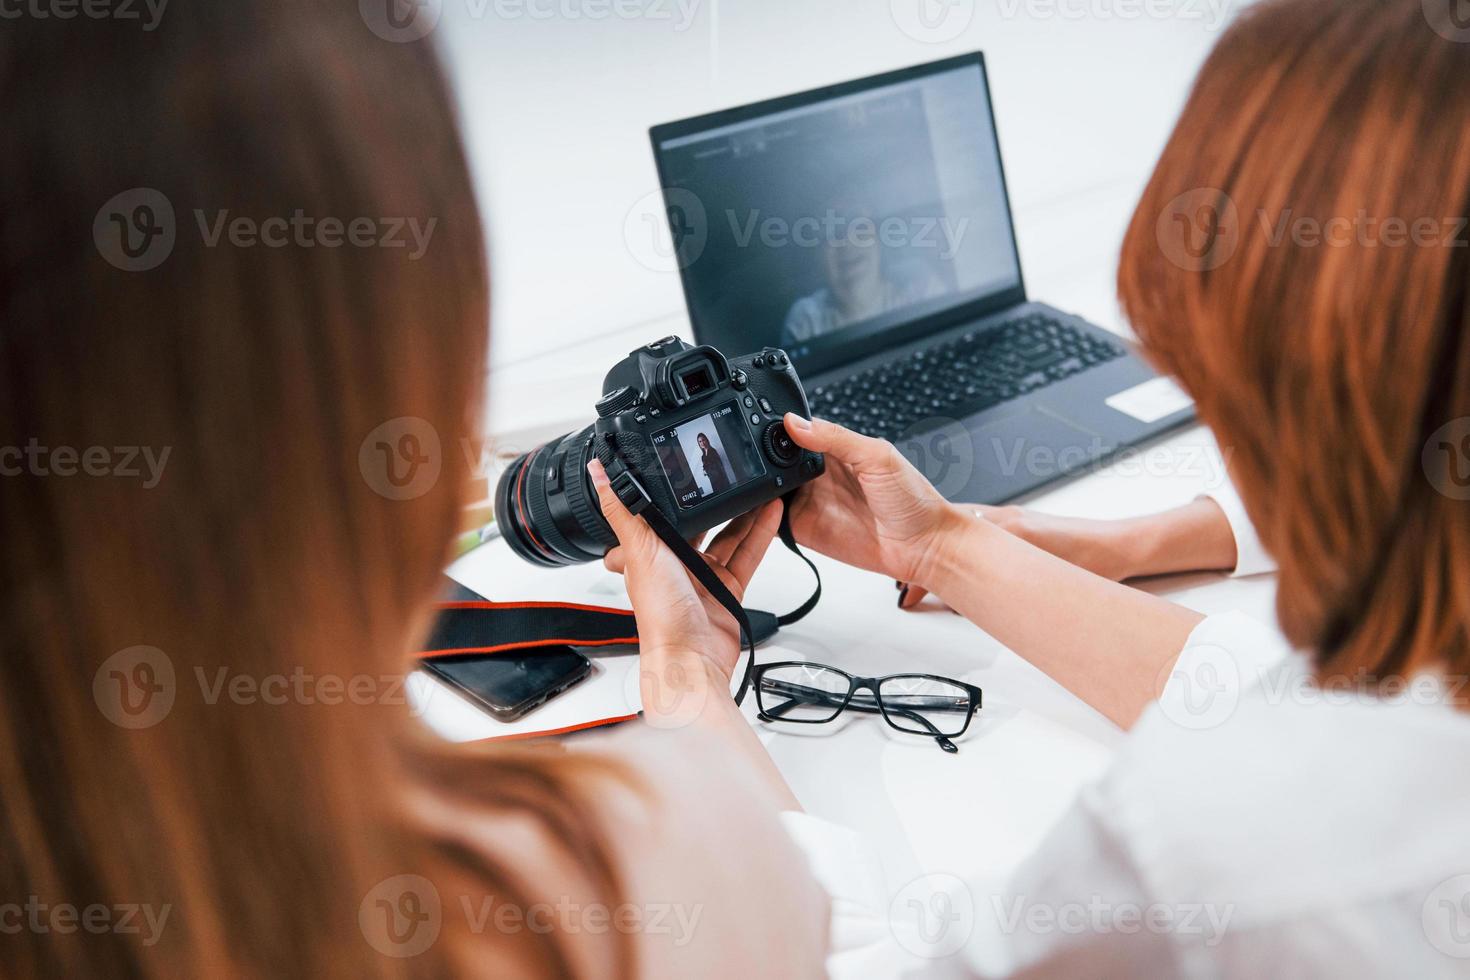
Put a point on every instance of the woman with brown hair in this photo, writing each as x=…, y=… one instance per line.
x=1287, y=811
x=1273, y=812
x=201, y=682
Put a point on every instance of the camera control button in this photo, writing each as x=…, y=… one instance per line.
x=750, y=401
x=616, y=401
x=755, y=418
x=740, y=379
x=779, y=445
x=766, y=406
x=760, y=360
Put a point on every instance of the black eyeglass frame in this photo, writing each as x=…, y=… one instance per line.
x=872, y=684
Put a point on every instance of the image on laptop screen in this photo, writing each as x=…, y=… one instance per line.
x=844, y=218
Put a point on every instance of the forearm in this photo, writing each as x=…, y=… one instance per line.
x=1192, y=538
x=1107, y=643
x=716, y=713
x=726, y=721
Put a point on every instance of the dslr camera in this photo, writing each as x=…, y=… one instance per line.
x=700, y=434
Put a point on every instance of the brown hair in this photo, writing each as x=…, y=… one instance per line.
x=267, y=548
x=1295, y=262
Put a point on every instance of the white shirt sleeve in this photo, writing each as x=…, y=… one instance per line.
x=1076, y=909
x=1081, y=906
x=1250, y=555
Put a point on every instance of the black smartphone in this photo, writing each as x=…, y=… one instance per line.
x=511, y=686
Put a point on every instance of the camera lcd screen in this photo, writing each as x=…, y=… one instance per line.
x=708, y=456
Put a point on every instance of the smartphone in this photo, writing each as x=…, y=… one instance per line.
x=511, y=686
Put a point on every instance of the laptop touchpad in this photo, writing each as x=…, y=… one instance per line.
x=1034, y=445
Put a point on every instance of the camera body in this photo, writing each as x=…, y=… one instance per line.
x=701, y=436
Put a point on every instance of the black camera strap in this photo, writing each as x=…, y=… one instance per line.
x=638, y=502
x=712, y=583
x=478, y=628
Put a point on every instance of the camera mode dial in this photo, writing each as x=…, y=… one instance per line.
x=615, y=402
x=780, y=448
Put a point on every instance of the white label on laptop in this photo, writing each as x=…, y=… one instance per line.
x=1151, y=400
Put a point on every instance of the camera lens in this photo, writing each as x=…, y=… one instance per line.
x=547, y=510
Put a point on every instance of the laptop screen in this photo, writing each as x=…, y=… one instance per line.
x=834, y=224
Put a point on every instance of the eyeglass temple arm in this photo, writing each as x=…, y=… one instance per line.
x=824, y=699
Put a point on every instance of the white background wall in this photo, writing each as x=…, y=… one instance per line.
x=557, y=97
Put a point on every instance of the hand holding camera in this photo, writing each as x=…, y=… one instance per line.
x=685, y=637
x=692, y=440
x=875, y=510
x=684, y=440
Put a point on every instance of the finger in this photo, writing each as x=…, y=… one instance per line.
x=753, y=545
x=615, y=561
x=630, y=531
x=821, y=436
x=724, y=544
x=910, y=596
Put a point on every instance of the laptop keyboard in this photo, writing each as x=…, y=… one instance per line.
x=964, y=375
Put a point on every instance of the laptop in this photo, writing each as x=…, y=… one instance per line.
x=866, y=229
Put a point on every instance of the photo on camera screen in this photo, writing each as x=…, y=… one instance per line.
x=707, y=456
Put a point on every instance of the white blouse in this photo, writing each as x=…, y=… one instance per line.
x=1254, y=824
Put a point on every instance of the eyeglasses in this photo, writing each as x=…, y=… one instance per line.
x=813, y=694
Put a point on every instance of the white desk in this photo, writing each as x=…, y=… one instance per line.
x=974, y=814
